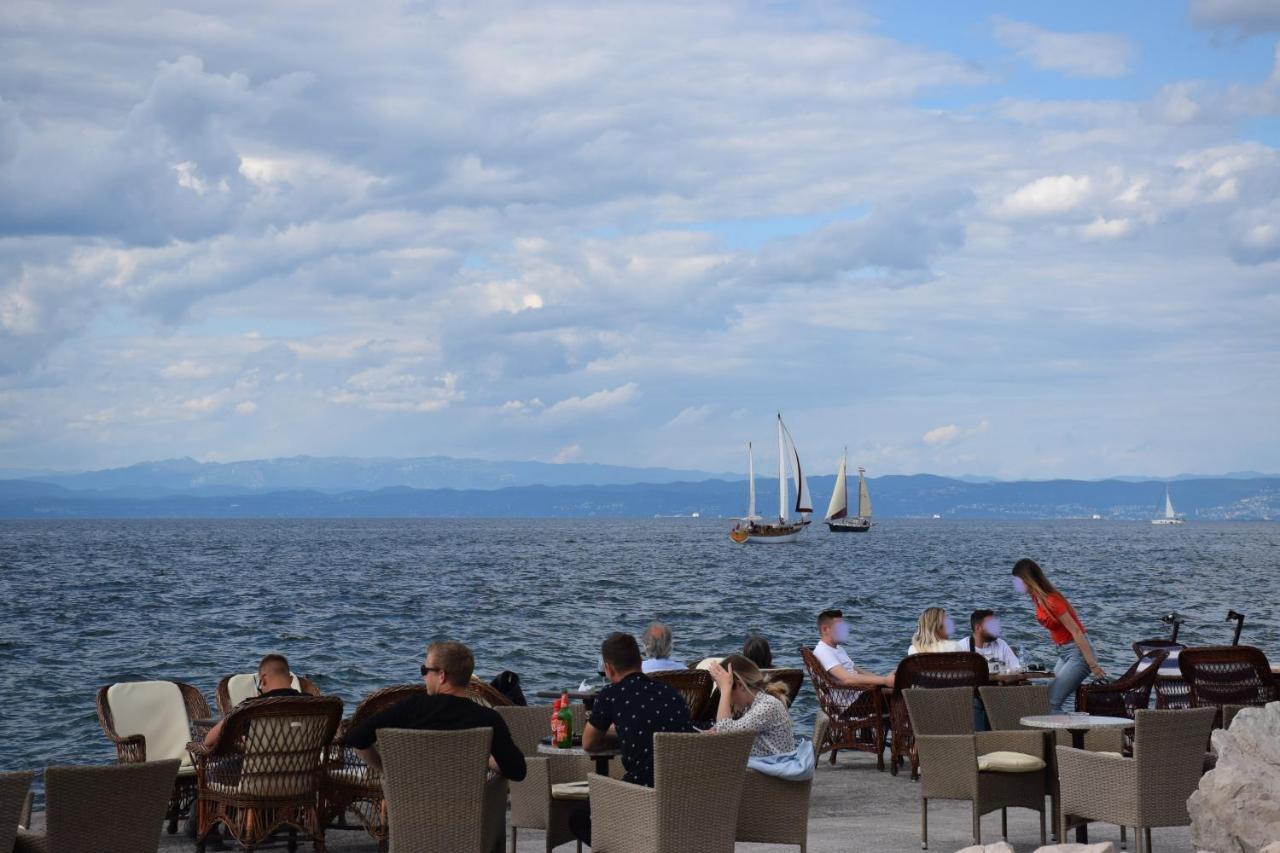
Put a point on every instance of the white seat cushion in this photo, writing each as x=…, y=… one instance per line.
x=155, y=710
x=240, y=687
x=1009, y=762
x=569, y=791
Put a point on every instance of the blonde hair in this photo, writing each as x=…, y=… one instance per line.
x=753, y=679
x=926, y=638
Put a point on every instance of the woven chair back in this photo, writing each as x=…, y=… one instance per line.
x=793, y=678
x=1006, y=706
x=13, y=796
x=1169, y=748
x=487, y=695
x=833, y=699
x=698, y=781
x=1227, y=675
x=529, y=724
x=940, y=710
x=1128, y=693
x=116, y=809
x=434, y=784
x=821, y=723
x=694, y=686
x=273, y=748
x=234, y=689
x=932, y=670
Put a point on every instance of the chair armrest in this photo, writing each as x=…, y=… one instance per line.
x=129, y=750
x=623, y=816
x=1028, y=742
x=949, y=766
x=198, y=750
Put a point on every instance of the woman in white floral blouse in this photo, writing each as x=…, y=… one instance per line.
x=749, y=702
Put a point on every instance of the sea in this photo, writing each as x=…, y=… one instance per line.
x=353, y=603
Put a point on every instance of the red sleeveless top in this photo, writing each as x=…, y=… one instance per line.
x=1049, y=613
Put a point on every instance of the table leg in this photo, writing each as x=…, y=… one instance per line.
x=602, y=765
x=1082, y=831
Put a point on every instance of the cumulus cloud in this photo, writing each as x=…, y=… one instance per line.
x=1049, y=196
x=599, y=401
x=950, y=433
x=1073, y=54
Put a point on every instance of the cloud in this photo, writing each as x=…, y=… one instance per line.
x=599, y=401
x=690, y=416
x=950, y=433
x=567, y=454
x=1073, y=54
x=186, y=369
x=248, y=407
x=1247, y=17
x=1049, y=196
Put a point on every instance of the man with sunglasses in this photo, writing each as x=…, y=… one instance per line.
x=445, y=706
x=273, y=679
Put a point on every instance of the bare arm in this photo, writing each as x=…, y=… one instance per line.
x=593, y=739
x=211, y=736
x=858, y=679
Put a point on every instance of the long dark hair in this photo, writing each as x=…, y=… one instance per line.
x=1033, y=576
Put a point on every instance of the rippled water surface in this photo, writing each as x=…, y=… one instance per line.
x=352, y=602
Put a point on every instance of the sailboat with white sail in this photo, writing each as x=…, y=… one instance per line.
x=838, y=520
x=1169, y=516
x=752, y=527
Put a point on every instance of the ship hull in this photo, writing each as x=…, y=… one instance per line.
x=849, y=525
x=768, y=534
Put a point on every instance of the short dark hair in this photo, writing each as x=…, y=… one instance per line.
x=275, y=663
x=829, y=616
x=456, y=660
x=976, y=617
x=621, y=651
x=756, y=649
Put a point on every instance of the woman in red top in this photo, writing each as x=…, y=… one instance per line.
x=1075, y=656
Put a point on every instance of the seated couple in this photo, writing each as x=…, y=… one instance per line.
x=935, y=630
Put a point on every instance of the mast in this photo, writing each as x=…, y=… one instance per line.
x=751, y=478
x=782, y=474
x=864, y=497
x=839, y=506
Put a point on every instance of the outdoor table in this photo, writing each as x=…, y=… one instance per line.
x=586, y=697
x=200, y=727
x=1078, y=725
x=602, y=757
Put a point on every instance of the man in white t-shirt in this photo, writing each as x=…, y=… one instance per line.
x=985, y=640
x=832, y=631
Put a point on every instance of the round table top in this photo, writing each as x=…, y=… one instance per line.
x=1075, y=722
x=549, y=749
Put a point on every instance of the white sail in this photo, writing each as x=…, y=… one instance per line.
x=782, y=474
x=1168, y=504
x=864, y=497
x=804, y=503
x=751, y=479
x=839, y=506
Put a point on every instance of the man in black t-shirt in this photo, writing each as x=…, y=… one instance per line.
x=446, y=707
x=626, y=714
x=274, y=679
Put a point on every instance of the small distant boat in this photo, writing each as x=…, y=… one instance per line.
x=1096, y=517
x=935, y=515
x=752, y=527
x=1169, y=516
x=838, y=520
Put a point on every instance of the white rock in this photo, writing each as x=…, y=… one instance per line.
x=1236, y=808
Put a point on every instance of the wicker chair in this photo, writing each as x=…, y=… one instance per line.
x=776, y=811
x=1127, y=694
x=793, y=678
x=857, y=719
x=484, y=694
x=534, y=804
x=1149, y=789
x=1171, y=692
x=440, y=797
x=1227, y=675
x=234, y=689
x=14, y=788
x=350, y=784
x=695, y=687
x=928, y=670
x=693, y=804
x=151, y=721
x=266, y=770
x=102, y=809
x=951, y=754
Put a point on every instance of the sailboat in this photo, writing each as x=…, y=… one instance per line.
x=838, y=520
x=752, y=527
x=1169, y=516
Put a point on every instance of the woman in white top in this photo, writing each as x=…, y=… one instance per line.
x=933, y=633
x=760, y=705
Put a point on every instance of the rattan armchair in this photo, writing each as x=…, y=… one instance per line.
x=1172, y=691
x=234, y=689
x=693, y=804
x=350, y=784
x=440, y=795
x=951, y=757
x=1128, y=693
x=534, y=804
x=793, y=678
x=928, y=670
x=1148, y=790
x=1227, y=675
x=151, y=721
x=487, y=695
x=14, y=788
x=857, y=718
x=266, y=771
x=694, y=685
x=776, y=811
x=102, y=809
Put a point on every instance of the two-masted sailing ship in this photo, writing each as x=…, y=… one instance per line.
x=753, y=527
x=1169, y=516
x=838, y=520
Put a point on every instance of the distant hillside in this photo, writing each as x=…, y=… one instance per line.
x=892, y=496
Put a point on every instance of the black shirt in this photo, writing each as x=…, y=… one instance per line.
x=443, y=712
x=638, y=706
x=279, y=691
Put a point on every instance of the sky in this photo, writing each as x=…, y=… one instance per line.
x=1010, y=239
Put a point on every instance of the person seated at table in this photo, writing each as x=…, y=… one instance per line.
x=756, y=649
x=274, y=679
x=832, y=632
x=657, y=650
x=750, y=702
x=934, y=631
x=985, y=640
x=445, y=706
x=628, y=711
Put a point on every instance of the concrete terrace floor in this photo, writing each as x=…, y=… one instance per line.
x=854, y=808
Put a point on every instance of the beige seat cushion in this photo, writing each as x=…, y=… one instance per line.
x=705, y=663
x=240, y=687
x=569, y=791
x=1009, y=762
x=155, y=710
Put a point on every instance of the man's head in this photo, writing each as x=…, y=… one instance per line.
x=273, y=673
x=657, y=641
x=832, y=629
x=448, y=668
x=985, y=626
x=621, y=656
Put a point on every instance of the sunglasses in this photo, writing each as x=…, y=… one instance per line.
x=425, y=669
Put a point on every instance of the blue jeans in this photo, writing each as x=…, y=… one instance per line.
x=1069, y=674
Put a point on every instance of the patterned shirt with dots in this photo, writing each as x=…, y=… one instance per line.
x=639, y=706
